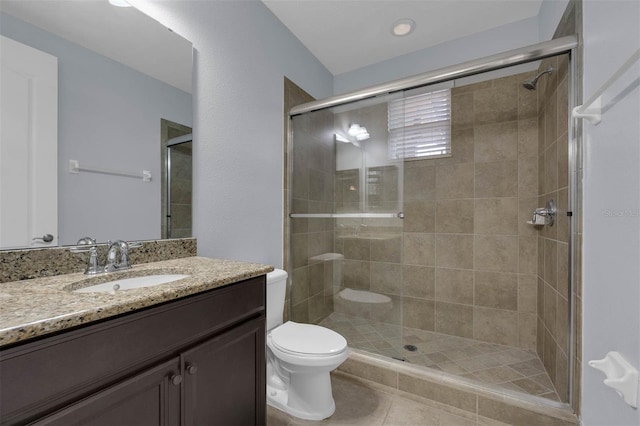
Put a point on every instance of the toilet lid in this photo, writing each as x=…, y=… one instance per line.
x=308, y=339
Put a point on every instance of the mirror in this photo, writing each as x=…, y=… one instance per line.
x=121, y=75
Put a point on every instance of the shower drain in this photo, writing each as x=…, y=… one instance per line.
x=411, y=348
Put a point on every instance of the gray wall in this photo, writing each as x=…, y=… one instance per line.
x=548, y=17
x=109, y=117
x=242, y=53
x=611, y=292
x=496, y=40
x=239, y=137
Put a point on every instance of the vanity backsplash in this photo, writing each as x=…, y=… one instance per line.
x=16, y=265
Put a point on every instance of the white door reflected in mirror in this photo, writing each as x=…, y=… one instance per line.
x=28, y=147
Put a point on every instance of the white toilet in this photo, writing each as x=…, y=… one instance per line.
x=299, y=359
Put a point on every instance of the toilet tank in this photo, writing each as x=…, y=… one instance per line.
x=276, y=291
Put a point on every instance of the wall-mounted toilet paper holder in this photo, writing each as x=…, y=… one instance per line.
x=621, y=376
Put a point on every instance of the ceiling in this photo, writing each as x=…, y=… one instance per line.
x=349, y=34
x=125, y=35
x=343, y=34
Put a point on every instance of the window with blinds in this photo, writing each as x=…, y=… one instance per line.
x=420, y=126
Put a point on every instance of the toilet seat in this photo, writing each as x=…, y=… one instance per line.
x=307, y=339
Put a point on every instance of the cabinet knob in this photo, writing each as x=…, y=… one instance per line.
x=176, y=379
x=192, y=369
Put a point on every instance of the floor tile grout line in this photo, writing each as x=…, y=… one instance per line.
x=386, y=414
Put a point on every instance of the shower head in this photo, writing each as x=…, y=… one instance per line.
x=531, y=84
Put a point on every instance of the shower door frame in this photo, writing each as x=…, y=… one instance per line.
x=563, y=45
x=180, y=140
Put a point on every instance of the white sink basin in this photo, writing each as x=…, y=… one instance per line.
x=131, y=283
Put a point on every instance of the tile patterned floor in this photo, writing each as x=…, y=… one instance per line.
x=365, y=403
x=505, y=366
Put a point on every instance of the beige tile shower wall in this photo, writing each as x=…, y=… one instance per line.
x=372, y=247
x=293, y=95
x=181, y=188
x=313, y=167
x=470, y=260
x=553, y=244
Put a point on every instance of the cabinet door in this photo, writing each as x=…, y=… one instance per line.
x=224, y=378
x=148, y=398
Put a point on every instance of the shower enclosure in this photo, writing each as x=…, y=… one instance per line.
x=179, y=162
x=412, y=226
x=176, y=183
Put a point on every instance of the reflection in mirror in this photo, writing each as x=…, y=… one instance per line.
x=348, y=191
x=120, y=74
x=366, y=178
x=176, y=161
x=382, y=188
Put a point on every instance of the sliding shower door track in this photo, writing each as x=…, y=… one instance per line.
x=478, y=66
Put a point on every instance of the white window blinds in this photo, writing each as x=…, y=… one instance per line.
x=420, y=125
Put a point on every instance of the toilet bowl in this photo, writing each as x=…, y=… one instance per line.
x=299, y=359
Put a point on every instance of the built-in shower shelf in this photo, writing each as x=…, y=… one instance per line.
x=398, y=215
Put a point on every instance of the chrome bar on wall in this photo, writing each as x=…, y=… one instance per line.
x=592, y=109
x=399, y=215
x=465, y=69
x=75, y=167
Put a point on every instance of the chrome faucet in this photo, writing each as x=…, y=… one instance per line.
x=113, y=261
x=122, y=247
x=94, y=265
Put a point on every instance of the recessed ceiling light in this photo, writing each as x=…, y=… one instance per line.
x=403, y=27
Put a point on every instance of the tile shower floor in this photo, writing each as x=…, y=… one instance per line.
x=499, y=365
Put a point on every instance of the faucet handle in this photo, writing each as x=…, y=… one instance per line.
x=86, y=241
x=84, y=245
x=88, y=244
x=94, y=265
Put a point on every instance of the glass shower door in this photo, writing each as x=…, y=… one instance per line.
x=346, y=226
x=179, y=185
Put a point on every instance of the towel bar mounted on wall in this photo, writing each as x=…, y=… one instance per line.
x=592, y=109
x=74, y=167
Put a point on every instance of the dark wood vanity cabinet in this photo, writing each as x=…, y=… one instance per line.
x=151, y=397
x=199, y=361
x=220, y=380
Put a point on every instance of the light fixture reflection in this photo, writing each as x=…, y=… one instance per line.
x=354, y=135
x=119, y=3
x=341, y=138
x=363, y=136
x=359, y=132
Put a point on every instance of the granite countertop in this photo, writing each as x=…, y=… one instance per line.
x=35, y=307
